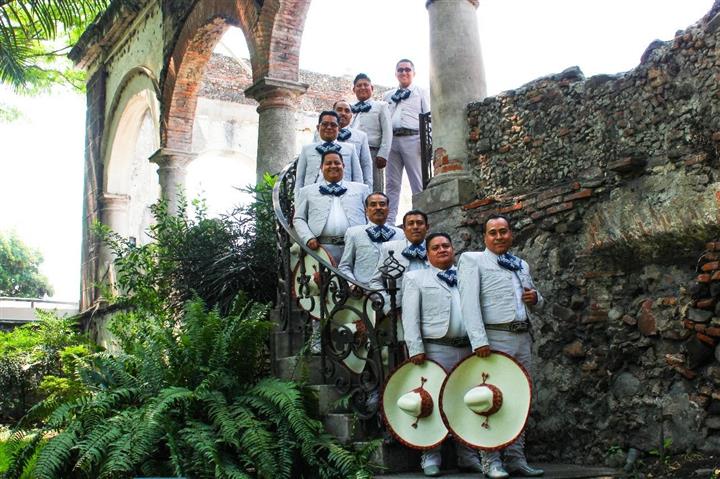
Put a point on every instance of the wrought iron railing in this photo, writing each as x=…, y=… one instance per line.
x=426, y=153
x=359, y=343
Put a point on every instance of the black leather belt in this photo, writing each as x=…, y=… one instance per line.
x=335, y=240
x=405, y=132
x=516, y=327
x=463, y=342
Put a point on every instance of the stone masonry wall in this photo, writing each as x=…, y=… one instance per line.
x=613, y=188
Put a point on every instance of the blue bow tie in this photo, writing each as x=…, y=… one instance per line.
x=344, y=134
x=400, y=95
x=508, y=261
x=361, y=107
x=380, y=233
x=334, y=189
x=328, y=146
x=415, y=251
x=449, y=276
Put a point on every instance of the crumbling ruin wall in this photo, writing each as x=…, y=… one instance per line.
x=613, y=187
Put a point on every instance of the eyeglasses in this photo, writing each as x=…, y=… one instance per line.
x=404, y=70
x=327, y=124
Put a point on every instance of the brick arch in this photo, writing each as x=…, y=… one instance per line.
x=278, y=34
x=184, y=67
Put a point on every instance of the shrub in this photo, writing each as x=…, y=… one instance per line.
x=185, y=400
x=32, y=353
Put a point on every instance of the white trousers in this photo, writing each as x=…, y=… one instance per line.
x=519, y=346
x=448, y=357
x=378, y=174
x=404, y=153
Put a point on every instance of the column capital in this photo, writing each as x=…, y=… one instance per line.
x=474, y=3
x=275, y=93
x=170, y=158
x=114, y=201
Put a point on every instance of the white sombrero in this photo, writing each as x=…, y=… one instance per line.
x=308, y=296
x=410, y=404
x=485, y=402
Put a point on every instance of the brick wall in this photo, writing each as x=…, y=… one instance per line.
x=613, y=188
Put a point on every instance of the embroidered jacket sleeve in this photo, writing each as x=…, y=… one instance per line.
x=347, y=262
x=469, y=283
x=300, y=220
x=411, y=316
x=386, y=126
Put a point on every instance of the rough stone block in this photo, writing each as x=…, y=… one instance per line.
x=345, y=427
x=307, y=369
x=325, y=399
x=441, y=195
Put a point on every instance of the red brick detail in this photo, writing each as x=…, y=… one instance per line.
x=504, y=149
x=558, y=208
x=647, y=324
x=579, y=195
x=448, y=168
x=705, y=339
x=715, y=276
x=713, y=246
x=708, y=304
x=687, y=324
x=713, y=331
x=668, y=301
x=481, y=202
x=704, y=278
x=511, y=208
x=711, y=266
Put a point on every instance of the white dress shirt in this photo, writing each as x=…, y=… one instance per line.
x=404, y=114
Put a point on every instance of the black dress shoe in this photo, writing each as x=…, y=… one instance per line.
x=524, y=470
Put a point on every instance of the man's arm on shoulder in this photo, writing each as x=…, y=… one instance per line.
x=366, y=161
x=469, y=285
x=411, y=316
x=347, y=262
x=300, y=220
x=387, y=134
x=300, y=172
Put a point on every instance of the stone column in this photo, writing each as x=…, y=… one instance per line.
x=277, y=123
x=457, y=77
x=172, y=169
x=114, y=214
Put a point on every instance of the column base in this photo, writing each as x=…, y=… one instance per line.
x=445, y=191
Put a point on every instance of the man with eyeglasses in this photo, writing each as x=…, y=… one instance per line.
x=372, y=117
x=308, y=167
x=405, y=104
x=353, y=136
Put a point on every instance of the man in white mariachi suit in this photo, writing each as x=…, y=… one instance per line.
x=352, y=136
x=373, y=117
x=363, y=243
x=434, y=329
x=409, y=252
x=308, y=166
x=497, y=291
x=326, y=210
x=405, y=105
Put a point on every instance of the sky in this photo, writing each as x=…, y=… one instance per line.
x=41, y=154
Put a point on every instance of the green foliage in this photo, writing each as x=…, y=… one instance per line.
x=209, y=258
x=31, y=356
x=184, y=398
x=35, y=35
x=19, y=275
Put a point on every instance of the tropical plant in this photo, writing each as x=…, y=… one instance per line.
x=183, y=400
x=19, y=274
x=209, y=258
x=35, y=36
x=36, y=360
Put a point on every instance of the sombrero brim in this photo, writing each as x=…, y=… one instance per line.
x=309, y=299
x=430, y=430
x=505, y=425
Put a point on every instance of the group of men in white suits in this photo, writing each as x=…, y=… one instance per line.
x=446, y=312
x=484, y=303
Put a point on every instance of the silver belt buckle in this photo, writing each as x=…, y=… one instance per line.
x=518, y=327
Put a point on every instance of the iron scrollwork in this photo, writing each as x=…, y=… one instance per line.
x=359, y=343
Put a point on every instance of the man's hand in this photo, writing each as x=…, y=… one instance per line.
x=313, y=244
x=380, y=162
x=418, y=359
x=483, y=351
x=529, y=296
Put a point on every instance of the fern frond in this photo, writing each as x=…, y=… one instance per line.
x=56, y=454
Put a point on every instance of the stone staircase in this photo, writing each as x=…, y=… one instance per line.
x=291, y=360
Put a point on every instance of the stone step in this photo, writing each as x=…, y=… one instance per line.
x=345, y=427
x=393, y=457
x=325, y=399
x=552, y=471
x=287, y=343
x=304, y=369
